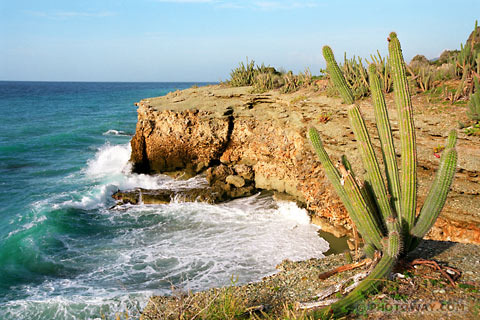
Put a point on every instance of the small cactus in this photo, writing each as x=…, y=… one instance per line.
x=383, y=214
x=473, y=111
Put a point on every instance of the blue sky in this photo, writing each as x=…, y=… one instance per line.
x=202, y=40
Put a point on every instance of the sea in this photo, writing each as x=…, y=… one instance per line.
x=66, y=251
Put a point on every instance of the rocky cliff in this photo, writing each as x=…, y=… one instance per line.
x=265, y=135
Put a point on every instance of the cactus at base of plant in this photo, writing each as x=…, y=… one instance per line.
x=368, y=286
x=384, y=214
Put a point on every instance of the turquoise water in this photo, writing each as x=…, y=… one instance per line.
x=66, y=254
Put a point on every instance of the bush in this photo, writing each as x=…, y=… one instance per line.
x=264, y=78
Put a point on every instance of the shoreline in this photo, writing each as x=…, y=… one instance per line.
x=205, y=128
x=202, y=128
x=279, y=294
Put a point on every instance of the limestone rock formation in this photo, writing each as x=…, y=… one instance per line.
x=261, y=138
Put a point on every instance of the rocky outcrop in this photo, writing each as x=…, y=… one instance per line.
x=261, y=139
x=224, y=183
x=176, y=139
x=163, y=196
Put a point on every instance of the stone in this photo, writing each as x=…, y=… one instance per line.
x=237, y=181
x=164, y=196
x=218, y=173
x=244, y=171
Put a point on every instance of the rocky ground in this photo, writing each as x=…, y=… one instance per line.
x=414, y=292
x=263, y=136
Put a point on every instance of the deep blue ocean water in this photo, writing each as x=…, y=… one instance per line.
x=66, y=254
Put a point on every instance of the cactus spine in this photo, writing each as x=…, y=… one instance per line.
x=384, y=215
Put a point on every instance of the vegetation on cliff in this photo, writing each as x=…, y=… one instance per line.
x=264, y=78
x=451, y=77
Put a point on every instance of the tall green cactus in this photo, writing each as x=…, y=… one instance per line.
x=337, y=76
x=408, y=168
x=384, y=214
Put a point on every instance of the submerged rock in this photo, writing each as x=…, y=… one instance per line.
x=163, y=196
x=224, y=185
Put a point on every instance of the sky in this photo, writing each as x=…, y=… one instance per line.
x=203, y=40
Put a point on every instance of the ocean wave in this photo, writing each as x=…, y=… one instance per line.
x=113, y=132
x=110, y=170
x=122, y=256
x=75, y=307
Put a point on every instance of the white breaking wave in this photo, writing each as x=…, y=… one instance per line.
x=194, y=246
x=147, y=248
x=109, y=171
x=113, y=132
x=109, y=160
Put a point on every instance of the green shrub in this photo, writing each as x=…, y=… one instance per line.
x=473, y=111
x=243, y=75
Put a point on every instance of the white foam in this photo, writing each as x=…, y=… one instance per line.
x=96, y=197
x=109, y=160
x=291, y=211
x=37, y=219
x=75, y=307
x=111, y=165
x=210, y=243
x=109, y=171
x=191, y=245
x=113, y=132
x=194, y=246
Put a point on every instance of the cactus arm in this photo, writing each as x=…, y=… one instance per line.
x=451, y=139
x=374, y=177
x=368, y=286
x=337, y=76
x=330, y=171
x=368, y=225
x=369, y=250
x=337, y=182
x=438, y=193
x=366, y=190
x=408, y=168
x=386, y=139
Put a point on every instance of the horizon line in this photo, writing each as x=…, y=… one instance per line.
x=108, y=81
